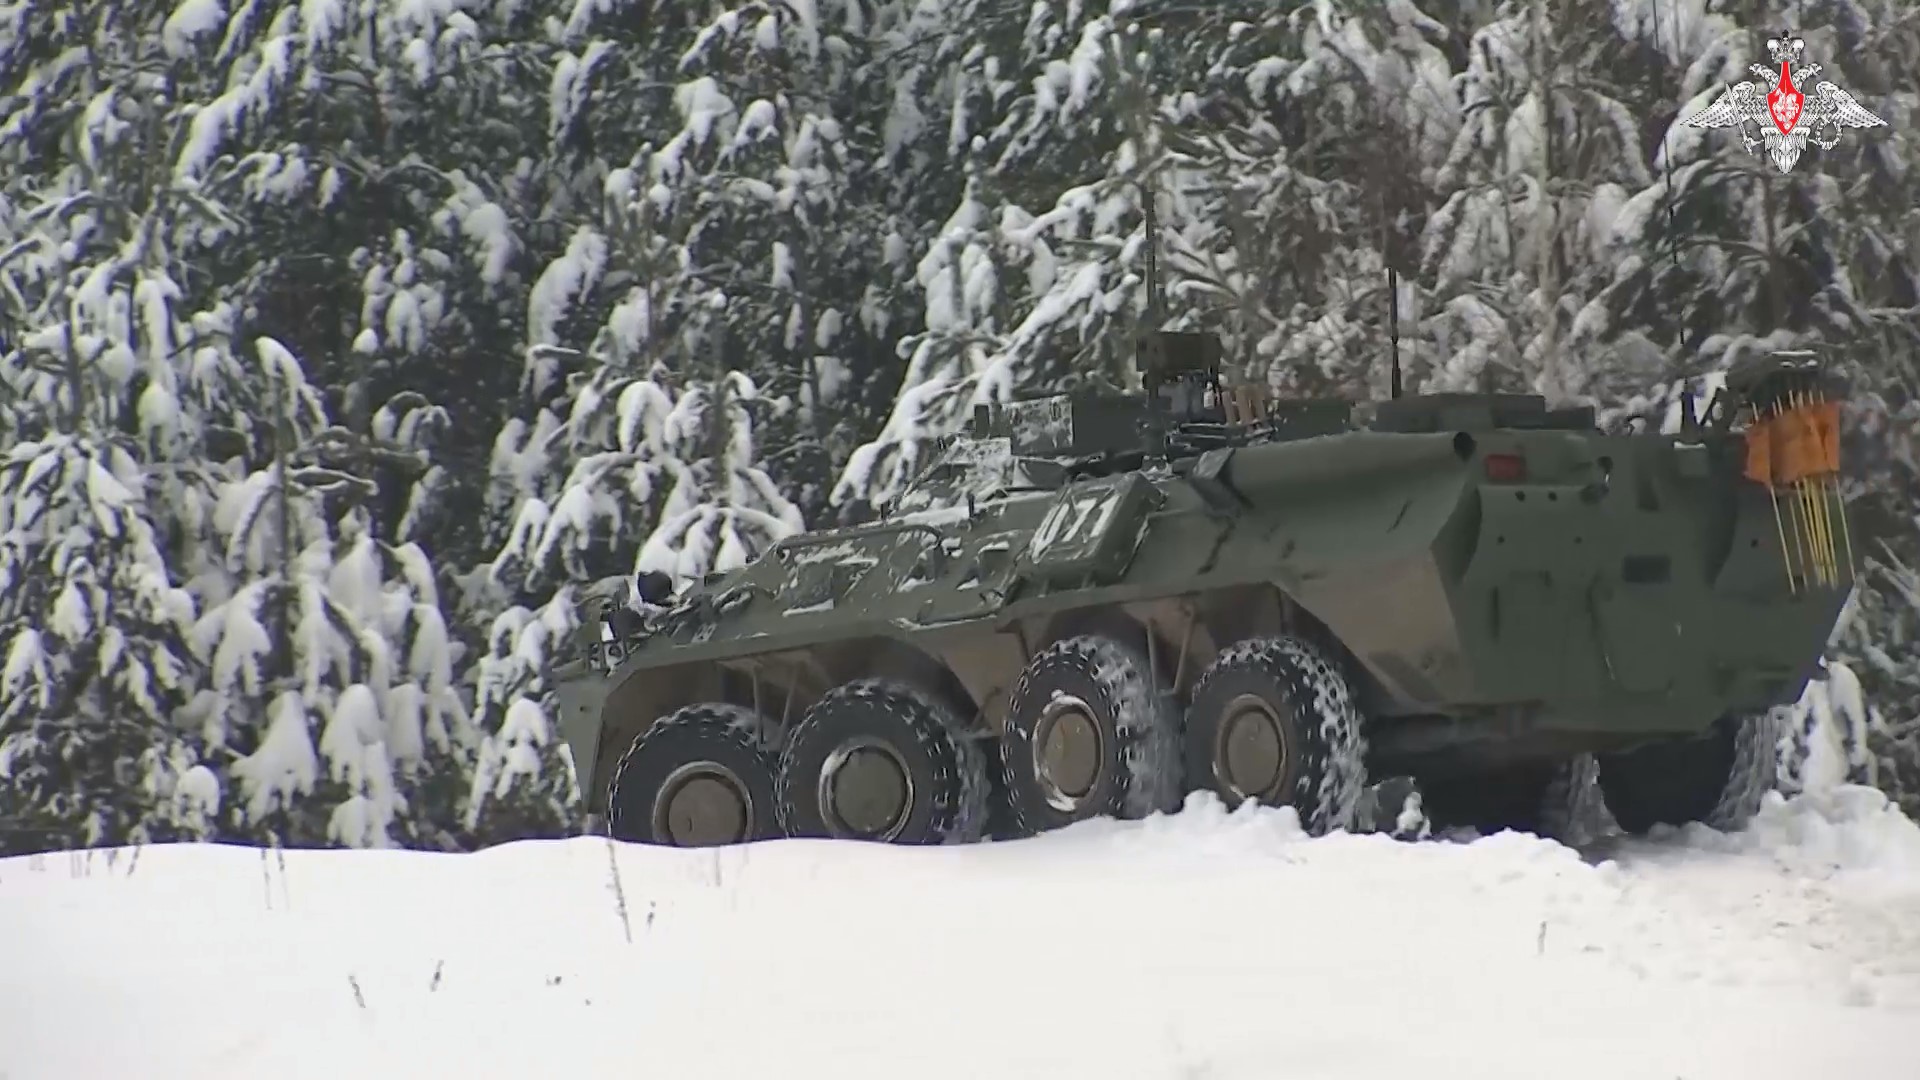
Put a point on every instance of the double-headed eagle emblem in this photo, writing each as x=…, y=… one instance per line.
x=1786, y=118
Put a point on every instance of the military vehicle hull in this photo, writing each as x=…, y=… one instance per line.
x=1470, y=606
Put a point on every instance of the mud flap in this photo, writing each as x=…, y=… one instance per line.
x=1177, y=785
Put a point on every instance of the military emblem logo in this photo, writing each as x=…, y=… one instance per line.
x=1788, y=109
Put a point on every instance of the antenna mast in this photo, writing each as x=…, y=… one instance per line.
x=1545, y=220
x=1666, y=147
x=1156, y=295
x=1389, y=252
x=1393, y=325
x=1150, y=346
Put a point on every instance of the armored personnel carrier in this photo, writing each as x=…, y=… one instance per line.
x=1094, y=604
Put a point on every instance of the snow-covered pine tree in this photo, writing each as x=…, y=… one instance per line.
x=1876, y=245
x=95, y=654
x=724, y=510
x=523, y=783
x=325, y=647
x=583, y=443
x=1721, y=256
x=1887, y=643
x=643, y=455
x=985, y=332
x=387, y=183
x=792, y=197
x=376, y=147
x=308, y=116
x=711, y=508
x=1532, y=232
x=1296, y=223
x=1746, y=260
x=92, y=612
x=116, y=366
x=650, y=284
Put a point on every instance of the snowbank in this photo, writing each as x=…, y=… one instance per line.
x=1198, y=945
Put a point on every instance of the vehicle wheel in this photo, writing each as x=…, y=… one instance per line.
x=1273, y=719
x=1717, y=780
x=880, y=760
x=698, y=777
x=1086, y=737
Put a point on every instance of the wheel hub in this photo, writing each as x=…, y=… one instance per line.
x=1069, y=747
x=703, y=804
x=1250, y=751
x=865, y=791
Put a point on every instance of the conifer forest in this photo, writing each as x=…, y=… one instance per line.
x=342, y=342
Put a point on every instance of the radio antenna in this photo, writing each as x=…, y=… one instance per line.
x=1156, y=295
x=1150, y=342
x=1666, y=146
x=1389, y=248
x=1393, y=327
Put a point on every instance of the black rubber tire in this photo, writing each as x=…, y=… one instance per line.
x=728, y=736
x=1323, y=761
x=946, y=765
x=1139, y=771
x=1718, y=780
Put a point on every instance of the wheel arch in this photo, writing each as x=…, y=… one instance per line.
x=972, y=667
x=1187, y=631
x=1181, y=633
x=780, y=684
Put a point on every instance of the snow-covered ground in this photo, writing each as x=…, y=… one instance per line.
x=1198, y=945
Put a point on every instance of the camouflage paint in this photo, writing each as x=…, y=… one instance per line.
x=1608, y=590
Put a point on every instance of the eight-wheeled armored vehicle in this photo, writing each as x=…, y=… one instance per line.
x=1094, y=604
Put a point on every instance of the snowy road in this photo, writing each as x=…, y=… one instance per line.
x=1197, y=946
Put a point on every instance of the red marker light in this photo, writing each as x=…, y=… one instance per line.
x=1506, y=468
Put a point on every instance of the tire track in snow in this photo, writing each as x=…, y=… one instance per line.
x=1821, y=894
